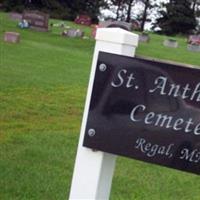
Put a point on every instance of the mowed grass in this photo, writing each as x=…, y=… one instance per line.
x=43, y=83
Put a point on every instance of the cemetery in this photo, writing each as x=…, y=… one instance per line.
x=45, y=69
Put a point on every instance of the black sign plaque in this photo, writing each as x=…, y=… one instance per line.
x=146, y=110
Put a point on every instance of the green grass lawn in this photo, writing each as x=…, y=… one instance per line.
x=43, y=82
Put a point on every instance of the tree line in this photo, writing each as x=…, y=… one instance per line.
x=173, y=17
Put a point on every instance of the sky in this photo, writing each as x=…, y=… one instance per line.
x=135, y=10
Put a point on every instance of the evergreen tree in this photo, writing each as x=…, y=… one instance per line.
x=66, y=9
x=119, y=8
x=91, y=8
x=196, y=7
x=123, y=8
x=177, y=18
x=143, y=17
x=129, y=9
x=16, y=5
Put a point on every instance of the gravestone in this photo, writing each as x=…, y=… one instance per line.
x=83, y=19
x=193, y=47
x=12, y=37
x=170, y=43
x=116, y=24
x=37, y=20
x=194, y=39
x=73, y=33
x=144, y=37
x=15, y=16
x=194, y=43
x=136, y=24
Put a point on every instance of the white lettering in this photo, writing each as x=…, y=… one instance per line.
x=185, y=90
x=139, y=114
x=197, y=129
x=196, y=91
x=130, y=79
x=174, y=90
x=162, y=119
x=177, y=123
x=133, y=112
x=186, y=155
x=188, y=123
x=160, y=83
x=148, y=117
x=120, y=78
x=152, y=150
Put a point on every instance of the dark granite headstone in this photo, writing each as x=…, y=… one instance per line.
x=37, y=20
x=12, y=37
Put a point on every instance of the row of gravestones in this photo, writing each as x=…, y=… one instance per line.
x=15, y=38
x=191, y=46
x=85, y=20
x=193, y=42
x=39, y=21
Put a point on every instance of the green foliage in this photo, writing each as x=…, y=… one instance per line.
x=89, y=7
x=59, y=8
x=43, y=83
x=17, y=5
x=178, y=18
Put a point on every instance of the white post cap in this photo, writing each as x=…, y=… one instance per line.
x=117, y=35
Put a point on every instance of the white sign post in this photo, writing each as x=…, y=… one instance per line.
x=93, y=172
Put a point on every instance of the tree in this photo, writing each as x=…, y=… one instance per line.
x=89, y=7
x=119, y=8
x=148, y=5
x=144, y=14
x=196, y=7
x=92, y=8
x=17, y=5
x=178, y=17
x=59, y=8
x=122, y=9
x=35, y=4
x=129, y=9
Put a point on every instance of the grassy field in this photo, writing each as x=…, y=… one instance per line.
x=43, y=82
